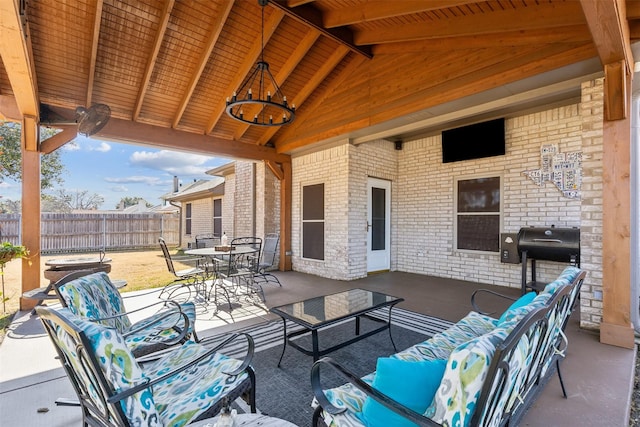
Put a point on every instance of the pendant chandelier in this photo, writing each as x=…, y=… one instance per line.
x=260, y=95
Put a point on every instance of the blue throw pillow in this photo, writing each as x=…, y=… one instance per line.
x=411, y=383
x=520, y=302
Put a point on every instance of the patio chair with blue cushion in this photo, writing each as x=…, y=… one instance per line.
x=94, y=297
x=190, y=383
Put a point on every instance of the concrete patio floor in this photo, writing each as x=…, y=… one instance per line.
x=599, y=378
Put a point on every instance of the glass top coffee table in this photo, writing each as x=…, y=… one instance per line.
x=316, y=313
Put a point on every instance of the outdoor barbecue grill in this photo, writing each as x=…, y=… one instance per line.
x=548, y=244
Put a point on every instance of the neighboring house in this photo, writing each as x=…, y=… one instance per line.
x=200, y=204
x=243, y=199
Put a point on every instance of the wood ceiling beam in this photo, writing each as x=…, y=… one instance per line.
x=571, y=34
x=318, y=77
x=153, y=56
x=17, y=58
x=204, y=58
x=296, y=57
x=381, y=9
x=608, y=25
x=610, y=31
x=95, y=38
x=544, y=15
x=313, y=17
x=69, y=132
x=455, y=87
x=250, y=60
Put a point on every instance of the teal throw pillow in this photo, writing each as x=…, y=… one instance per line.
x=520, y=302
x=410, y=383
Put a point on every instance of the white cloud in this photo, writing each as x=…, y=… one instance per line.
x=103, y=147
x=4, y=184
x=137, y=179
x=119, y=189
x=175, y=163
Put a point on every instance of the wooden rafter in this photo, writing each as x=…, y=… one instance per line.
x=570, y=34
x=204, y=58
x=345, y=73
x=608, y=25
x=544, y=15
x=382, y=9
x=317, y=78
x=518, y=66
x=313, y=17
x=69, y=132
x=15, y=50
x=296, y=57
x=153, y=56
x=610, y=32
x=95, y=38
x=250, y=59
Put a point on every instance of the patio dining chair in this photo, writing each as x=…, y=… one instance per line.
x=191, y=383
x=94, y=297
x=267, y=259
x=188, y=282
x=237, y=270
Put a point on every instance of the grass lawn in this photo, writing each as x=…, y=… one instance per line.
x=141, y=269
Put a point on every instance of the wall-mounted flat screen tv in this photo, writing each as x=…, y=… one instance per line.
x=475, y=141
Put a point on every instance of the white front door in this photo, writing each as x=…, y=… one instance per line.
x=378, y=225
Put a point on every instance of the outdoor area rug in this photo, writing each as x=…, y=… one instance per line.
x=285, y=392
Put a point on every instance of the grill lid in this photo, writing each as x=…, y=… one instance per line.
x=550, y=243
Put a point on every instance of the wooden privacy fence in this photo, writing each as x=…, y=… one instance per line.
x=66, y=232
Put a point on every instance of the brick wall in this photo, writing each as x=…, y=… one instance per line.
x=592, y=110
x=201, y=219
x=244, y=196
x=423, y=205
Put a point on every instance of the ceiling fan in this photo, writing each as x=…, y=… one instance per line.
x=89, y=120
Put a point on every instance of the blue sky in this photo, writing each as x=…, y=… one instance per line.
x=116, y=170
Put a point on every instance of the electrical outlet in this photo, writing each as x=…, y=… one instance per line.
x=597, y=295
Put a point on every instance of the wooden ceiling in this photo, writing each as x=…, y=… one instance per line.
x=166, y=67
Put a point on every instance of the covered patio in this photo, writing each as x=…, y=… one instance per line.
x=599, y=378
x=374, y=84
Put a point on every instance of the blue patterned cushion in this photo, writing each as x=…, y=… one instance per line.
x=206, y=382
x=442, y=344
x=94, y=297
x=120, y=367
x=454, y=402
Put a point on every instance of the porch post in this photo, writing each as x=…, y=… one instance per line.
x=30, y=208
x=616, y=327
x=285, y=217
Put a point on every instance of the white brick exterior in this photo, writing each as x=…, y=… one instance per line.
x=423, y=200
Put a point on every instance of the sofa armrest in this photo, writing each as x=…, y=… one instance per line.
x=316, y=386
x=477, y=308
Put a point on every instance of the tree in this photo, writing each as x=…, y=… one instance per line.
x=125, y=202
x=51, y=167
x=65, y=201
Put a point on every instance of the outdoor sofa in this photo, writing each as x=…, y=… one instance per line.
x=482, y=371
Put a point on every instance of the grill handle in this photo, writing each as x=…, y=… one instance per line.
x=547, y=240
